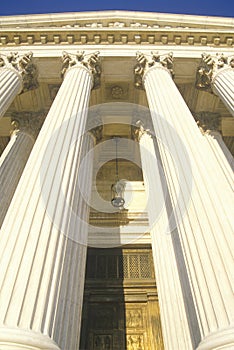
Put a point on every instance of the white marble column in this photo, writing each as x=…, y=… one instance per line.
x=43, y=237
x=17, y=75
x=203, y=221
x=216, y=73
x=176, y=333
x=69, y=298
x=15, y=156
x=209, y=123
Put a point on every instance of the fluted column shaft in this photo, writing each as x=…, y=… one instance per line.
x=69, y=297
x=11, y=84
x=176, y=334
x=12, y=163
x=222, y=155
x=208, y=123
x=203, y=220
x=223, y=86
x=40, y=222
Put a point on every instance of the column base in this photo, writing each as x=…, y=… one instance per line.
x=220, y=340
x=20, y=339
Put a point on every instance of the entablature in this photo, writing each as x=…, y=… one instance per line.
x=116, y=27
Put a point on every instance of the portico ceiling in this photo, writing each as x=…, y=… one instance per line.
x=118, y=35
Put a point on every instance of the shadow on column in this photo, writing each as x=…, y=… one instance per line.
x=181, y=266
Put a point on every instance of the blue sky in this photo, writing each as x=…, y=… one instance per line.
x=198, y=7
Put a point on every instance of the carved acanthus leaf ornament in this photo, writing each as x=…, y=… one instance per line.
x=90, y=61
x=145, y=62
x=209, y=67
x=207, y=121
x=27, y=122
x=24, y=66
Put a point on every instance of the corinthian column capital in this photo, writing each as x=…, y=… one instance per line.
x=207, y=121
x=23, y=65
x=146, y=62
x=210, y=67
x=89, y=61
x=97, y=133
x=27, y=122
x=138, y=130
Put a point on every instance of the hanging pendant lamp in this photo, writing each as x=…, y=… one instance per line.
x=117, y=188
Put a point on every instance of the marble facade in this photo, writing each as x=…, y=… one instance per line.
x=142, y=101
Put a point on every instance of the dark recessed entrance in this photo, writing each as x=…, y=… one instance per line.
x=120, y=309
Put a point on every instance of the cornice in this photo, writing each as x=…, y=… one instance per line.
x=105, y=18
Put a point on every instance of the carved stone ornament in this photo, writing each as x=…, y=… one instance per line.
x=209, y=67
x=138, y=130
x=155, y=59
x=207, y=121
x=134, y=318
x=90, y=61
x=97, y=132
x=117, y=92
x=24, y=66
x=135, y=341
x=27, y=122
